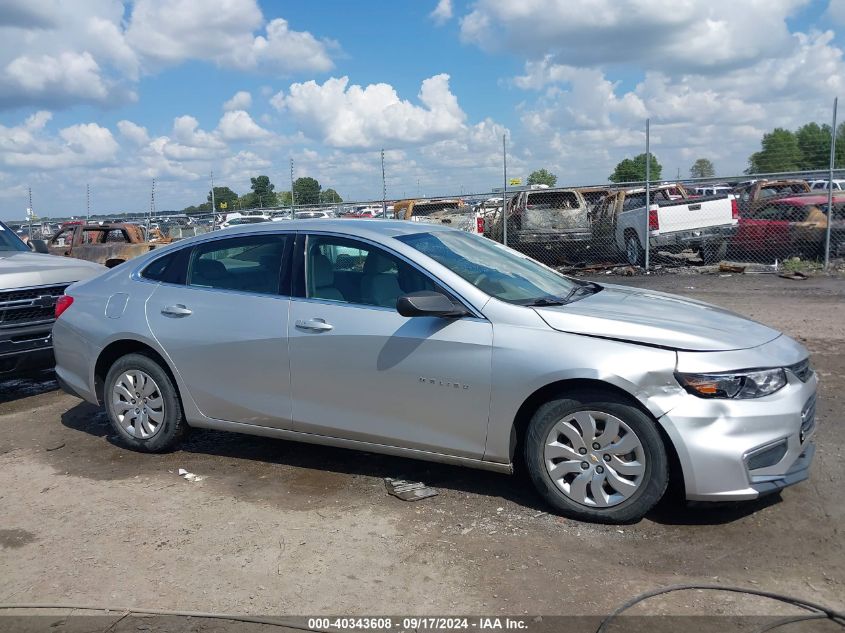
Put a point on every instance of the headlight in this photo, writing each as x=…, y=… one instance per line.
x=737, y=385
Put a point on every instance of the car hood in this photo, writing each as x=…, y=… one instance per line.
x=657, y=318
x=20, y=269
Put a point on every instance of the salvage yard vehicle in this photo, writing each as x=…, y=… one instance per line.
x=107, y=243
x=756, y=193
x=785, y=227
x=407, y=209
x=549, y=225
x=702, y=224
x=478, y=355
x=30, y=285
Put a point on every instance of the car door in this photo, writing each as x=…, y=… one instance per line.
x=224, y=327
x=361, y=371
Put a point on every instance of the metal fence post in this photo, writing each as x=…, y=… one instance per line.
x=291, y=189
x=647, y=244
x=505, y=191
x=830, y=187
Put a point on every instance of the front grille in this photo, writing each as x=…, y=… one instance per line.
x=802, y=370
x=28, y=306
x=808, y=419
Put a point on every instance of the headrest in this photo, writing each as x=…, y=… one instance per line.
x=376, y=264
x=210, y=269
x=322, y=271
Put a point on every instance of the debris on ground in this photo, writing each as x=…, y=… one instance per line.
x=408, y=490
x=794, y=274
x=54, y=446
x=184, y=474
x=732, y=267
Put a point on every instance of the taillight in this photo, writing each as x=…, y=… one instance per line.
x=479, y=225
x=734, y=209
x=653, y=222
x=62, y=304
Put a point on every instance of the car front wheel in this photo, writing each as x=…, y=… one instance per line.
x=142, y=404
x=596, y=457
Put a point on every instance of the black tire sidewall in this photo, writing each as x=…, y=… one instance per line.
x=173, y=426
x=657, y=463
x=640, y=254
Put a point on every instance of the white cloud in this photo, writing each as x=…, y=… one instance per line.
x=237, y=125
x=667, y=35
x=133, y=132
x=442, y=12
x=30, y=145
x=836, y=11
x=351, y=116
x=186, y=131
x=583, y=123
x=241, y=100
x=169, y=32
x=57, y=54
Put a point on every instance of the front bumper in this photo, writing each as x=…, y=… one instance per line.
x=734, y=450
x=25, y=349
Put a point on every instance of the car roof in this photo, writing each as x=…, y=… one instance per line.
x=366, y=228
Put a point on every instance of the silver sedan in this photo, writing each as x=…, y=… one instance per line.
x=431, y=343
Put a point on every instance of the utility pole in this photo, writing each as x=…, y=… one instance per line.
x=29, y=211
x=152, y=206
x=383, y=188
x=213, y=205
x=87, y=202
x=647, y=194
x=830, y=186
x=505, y=190
x=291, y=189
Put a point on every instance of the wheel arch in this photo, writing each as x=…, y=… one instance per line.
x=119, y=348
x=573, y=386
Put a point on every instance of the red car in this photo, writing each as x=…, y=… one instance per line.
x=784, y=227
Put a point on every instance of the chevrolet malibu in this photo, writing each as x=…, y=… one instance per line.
x=427, y=342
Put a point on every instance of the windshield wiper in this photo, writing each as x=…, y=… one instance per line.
x=545, y=301
x=588, y=287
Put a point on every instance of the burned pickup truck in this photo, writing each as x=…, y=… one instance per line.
x=106, y=243
x=550, y=225
x=673, y=223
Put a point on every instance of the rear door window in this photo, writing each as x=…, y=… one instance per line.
x=250, y=263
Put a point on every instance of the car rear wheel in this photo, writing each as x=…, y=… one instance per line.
x=142, y=404
x=595, y=457
x=634, y=250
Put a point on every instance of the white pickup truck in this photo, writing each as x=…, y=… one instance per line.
x=702, y=224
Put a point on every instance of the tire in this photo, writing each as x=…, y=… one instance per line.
x=629, y=484
x=714, y=253
x=160, y=426
x=634, y=252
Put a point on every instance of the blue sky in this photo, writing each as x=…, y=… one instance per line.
x=115, y=93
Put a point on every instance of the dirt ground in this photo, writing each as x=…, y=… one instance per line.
x=277, y=527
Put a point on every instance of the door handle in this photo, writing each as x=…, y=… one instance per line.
x=177, y=311
x=315, y=325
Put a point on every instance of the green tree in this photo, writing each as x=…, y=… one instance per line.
x=262, y=188
x=542, y=177
x=331, y=196
x=814, y=142
x=283, y=198
x=702, y=168
x=633, y=169
x=224, y=198
x=780, y=152
x=306, y=191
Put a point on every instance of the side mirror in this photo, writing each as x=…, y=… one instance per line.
x=428, y=303
x=39, y=246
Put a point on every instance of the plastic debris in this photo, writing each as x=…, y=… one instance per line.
x=184, y=474
x=408, y=490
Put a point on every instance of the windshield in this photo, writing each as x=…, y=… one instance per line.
x=496, y=270
x=9, y=241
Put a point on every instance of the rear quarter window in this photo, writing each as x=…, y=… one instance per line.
x=171, y=268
